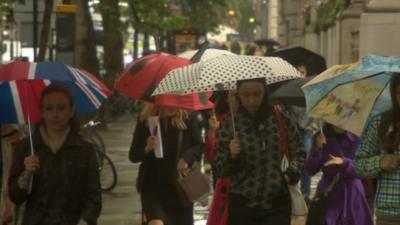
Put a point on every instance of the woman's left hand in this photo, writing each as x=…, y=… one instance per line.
x=334, y=160
x=183, y=167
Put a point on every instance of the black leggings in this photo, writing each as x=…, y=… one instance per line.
x=240, y=214
x=156, y=209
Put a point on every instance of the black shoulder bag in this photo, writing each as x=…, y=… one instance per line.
x=318, y=206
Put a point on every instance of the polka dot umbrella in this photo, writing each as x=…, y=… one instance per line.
x=222, y=73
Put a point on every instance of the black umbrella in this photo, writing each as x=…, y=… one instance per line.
x=269, y=42
x=296, y=56
x=288, y=92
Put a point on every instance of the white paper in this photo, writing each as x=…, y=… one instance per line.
x=154, y=126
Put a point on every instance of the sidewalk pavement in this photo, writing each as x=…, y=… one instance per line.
x=121, y=206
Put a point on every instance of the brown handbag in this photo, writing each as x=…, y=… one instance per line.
x=194, y=184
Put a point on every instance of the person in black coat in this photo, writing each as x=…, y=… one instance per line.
x=162, y=199
x=60, y=182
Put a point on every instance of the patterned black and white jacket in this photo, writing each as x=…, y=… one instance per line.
x=256, y=173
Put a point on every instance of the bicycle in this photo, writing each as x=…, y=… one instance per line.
x=94, y=137
x=108, y=172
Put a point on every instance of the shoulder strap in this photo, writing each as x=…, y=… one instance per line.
x=281, y=124
x=180, y=139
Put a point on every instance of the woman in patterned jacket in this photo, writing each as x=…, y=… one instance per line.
x=380, y=158
x=259, y=193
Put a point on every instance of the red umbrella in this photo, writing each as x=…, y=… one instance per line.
x=141, y=78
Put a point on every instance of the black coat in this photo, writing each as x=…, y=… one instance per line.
x=159, y=176
x=66, y=187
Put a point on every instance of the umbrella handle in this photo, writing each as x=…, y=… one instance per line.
x=321, y=126
x=32, y=151
x=30, y=138
x=235, y=136
x=30, y=135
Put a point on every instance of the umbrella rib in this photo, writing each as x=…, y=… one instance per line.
x=376, y=99
x=329, y=79
x=89, y=94
x=337, y=85
x=32, y=70
x=17, y=102
x=82, y=84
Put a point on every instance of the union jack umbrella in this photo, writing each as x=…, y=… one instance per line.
x=21, y=84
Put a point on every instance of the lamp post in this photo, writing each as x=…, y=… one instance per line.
x=231, y=14
x=252, y=22
x=264, y=18
x=35, y=28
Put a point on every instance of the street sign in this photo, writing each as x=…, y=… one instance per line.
x=65, y=32
x=66, y=8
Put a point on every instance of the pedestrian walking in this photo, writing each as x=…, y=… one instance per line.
x=379, y=157
x=9, y=138
x=60, y=182
x=250, y=49
x=332, y=153
x=259, y=193
x=163, y=201
x=235, y=47
x=307, y=127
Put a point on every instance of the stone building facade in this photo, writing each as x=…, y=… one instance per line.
x=360, y=28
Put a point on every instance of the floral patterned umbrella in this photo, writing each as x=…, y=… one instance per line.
x=348, y=96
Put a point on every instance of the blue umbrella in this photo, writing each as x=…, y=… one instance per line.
x=348, y=96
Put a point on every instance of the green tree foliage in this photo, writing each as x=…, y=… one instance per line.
x=46, y=26
x=243, y=12
x=327, y=13
x=113, y=41
x=6, y=10
x=204, y=15
x=171, y=15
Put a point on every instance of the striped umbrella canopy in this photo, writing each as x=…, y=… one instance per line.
x=21, y=84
